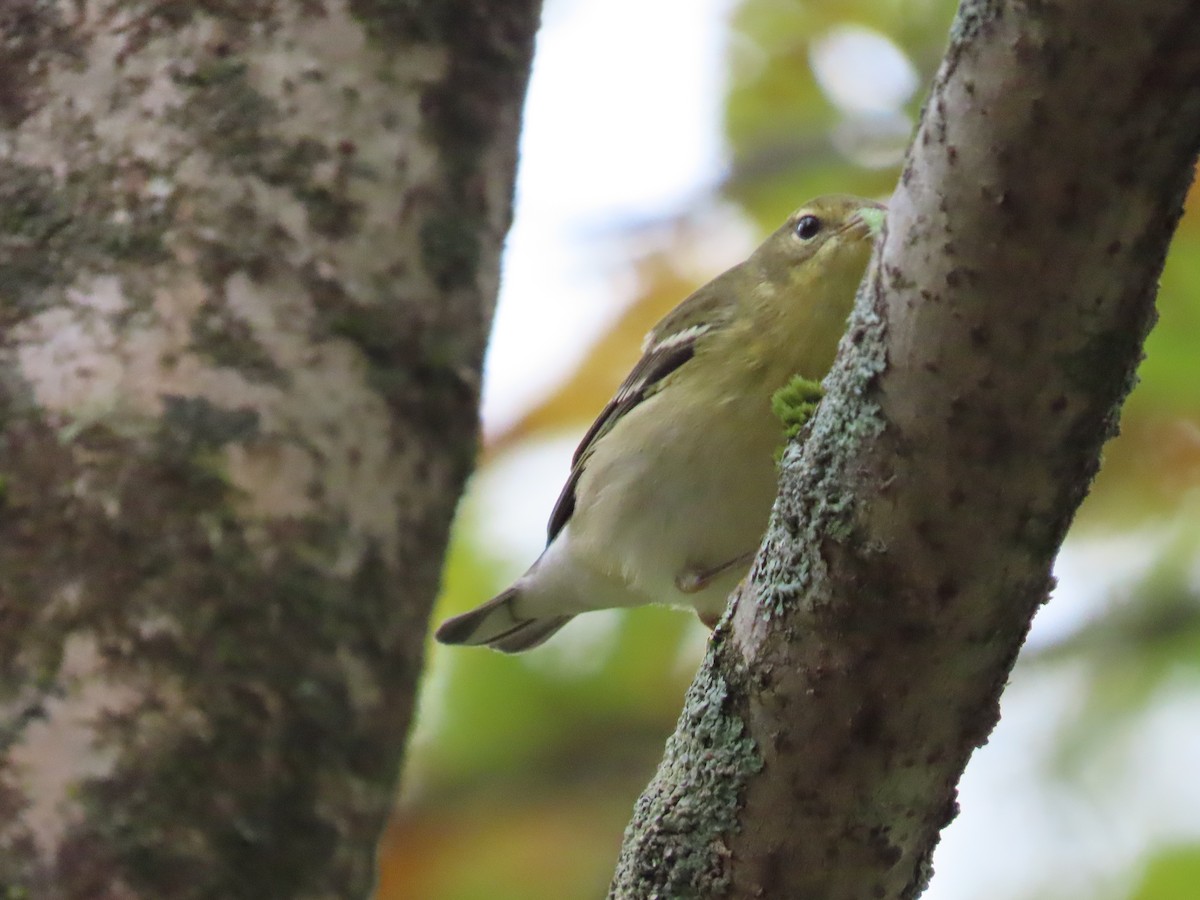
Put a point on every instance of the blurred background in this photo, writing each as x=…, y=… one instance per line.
x=662, y=139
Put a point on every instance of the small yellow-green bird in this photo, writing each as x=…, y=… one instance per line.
x=671, y=487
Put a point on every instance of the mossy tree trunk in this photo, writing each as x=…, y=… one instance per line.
x=993, y=343
x=248, y=257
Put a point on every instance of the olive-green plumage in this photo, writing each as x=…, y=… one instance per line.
x=671, y=487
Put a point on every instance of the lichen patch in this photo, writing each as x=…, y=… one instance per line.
x=59, y=747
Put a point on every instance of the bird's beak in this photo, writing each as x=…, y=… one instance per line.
x=869, y=219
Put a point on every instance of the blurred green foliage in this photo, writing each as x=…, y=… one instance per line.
x=1174, y=874
x=788, y=139
x=524, y=770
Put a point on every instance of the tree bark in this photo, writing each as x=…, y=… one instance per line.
x=994, y=339
x=248, y=258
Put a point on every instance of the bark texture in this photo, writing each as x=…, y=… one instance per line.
x=994, y=339
x=248, y=257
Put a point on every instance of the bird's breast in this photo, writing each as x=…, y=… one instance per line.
x=684, y=492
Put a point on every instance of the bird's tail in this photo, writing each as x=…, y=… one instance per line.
x=497, y=625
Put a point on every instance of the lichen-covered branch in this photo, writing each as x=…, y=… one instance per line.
x=248, y=257
x=987, y=358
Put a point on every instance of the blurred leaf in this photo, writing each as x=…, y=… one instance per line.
x=1149, y=472
x=544, y=847
x=788, y=139
x=1168, y=374
x=1172, y=875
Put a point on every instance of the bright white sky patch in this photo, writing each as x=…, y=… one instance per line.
x=622, y=122
x=861, y=71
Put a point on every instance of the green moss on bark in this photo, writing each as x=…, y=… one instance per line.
x=838, y=431
x=794, y=405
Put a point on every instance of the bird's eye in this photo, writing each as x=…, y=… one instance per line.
x=807, y=227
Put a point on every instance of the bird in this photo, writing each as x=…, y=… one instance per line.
x=671, y=487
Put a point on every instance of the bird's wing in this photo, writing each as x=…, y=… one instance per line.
x=663, y=356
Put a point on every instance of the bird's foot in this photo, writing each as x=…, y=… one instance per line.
x=692, y=581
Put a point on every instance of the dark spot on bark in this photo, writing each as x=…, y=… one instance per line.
x=330, y=212
x=450, y=246
x=32, y=36
x=866, y=725
x=958, y=408
x=192, y=424
x=889, y=854
x=230, y=342
x=946, y=592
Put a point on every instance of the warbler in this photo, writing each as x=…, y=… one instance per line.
x=671, y=487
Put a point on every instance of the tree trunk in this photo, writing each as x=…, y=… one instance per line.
x=248, y=258
x=993, y=342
